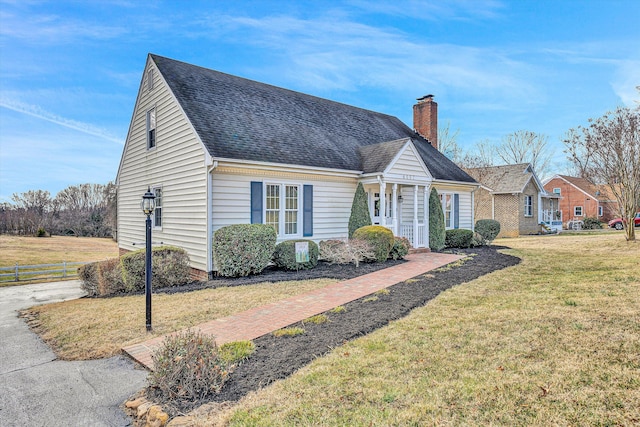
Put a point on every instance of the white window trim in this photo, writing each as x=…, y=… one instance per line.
x=282, y=210
x=148, y=128
x=530, y=206
x=581, y=211
x=600, y=210
x=444, y=211
x=153, y=216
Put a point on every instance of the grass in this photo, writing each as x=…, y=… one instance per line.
x=52, y=250
x=552, y=341
x=288, y=332
x=318, y=319
x=92, y=328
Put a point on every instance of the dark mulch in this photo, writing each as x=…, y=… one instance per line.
x=277, y=358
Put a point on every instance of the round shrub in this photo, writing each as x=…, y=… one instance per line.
x=169, y=267
x=187, y=368
x=400, y=248
x=243, y=249
x=488, y=229
x=284, y=255
x=88, y=275
x=458, y=238
x=591, y=223
x=110, y=279
x=380, y=238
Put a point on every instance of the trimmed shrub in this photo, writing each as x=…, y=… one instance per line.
x=591, y=223
x=110, y=279
x=488, y=229
x=169, y=267
x=284, y=255
x=88, y=275
x=243, y=249
x=187, y=368
x=380, y=238
x=400, y=248
x=458, y=238
x=436, y=222
x=340, y=252
x=359, y=211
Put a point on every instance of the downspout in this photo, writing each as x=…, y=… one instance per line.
x=210, y=169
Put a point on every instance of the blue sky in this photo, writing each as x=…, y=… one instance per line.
x=70, y=71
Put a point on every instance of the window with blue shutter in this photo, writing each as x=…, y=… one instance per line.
x=307, y=211
x=456, y=210
x=256, y=202
x=283, y=207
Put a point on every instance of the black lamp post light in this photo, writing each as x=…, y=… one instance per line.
x=148, y=204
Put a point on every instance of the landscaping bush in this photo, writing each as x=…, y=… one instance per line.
x=400, y=248
x=41, y=232
x=243, y=249
x=284, y=255
x=591, y=223
x=340, y=252
x=110, y=279
x=187, y=368
x=488, y=229
x=436, y=222
x=88, y=275
x=458, y=238
x=359, y=211
x=169, y=267
x=380, y=238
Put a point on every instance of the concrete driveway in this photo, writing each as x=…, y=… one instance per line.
x=38, y=390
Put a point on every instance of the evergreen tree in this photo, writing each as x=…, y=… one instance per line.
x=436, y=222
x=359, y=211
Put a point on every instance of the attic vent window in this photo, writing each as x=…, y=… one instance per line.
x=151, y=128
x=150, y=79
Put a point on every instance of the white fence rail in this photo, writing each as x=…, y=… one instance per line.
x=39, y=271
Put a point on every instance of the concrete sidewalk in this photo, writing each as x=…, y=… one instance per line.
x=262, y=320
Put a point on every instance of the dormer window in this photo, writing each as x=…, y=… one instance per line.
x=151, y=129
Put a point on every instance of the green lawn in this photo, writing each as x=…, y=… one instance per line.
x=552, y=341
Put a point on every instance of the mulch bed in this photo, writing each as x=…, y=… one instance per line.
x=277, y=358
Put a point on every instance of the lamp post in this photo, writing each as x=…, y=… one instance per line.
x=148, y=204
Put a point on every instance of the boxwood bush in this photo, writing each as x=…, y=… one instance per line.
x=169, y=265
x=488, y=229
x=458, y=238
x=400, y=248
x=243, y=249
x=88, y=275
x=380, y=238
x=110, y=279
x=284, y=255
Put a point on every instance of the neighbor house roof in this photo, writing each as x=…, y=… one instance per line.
x=505, y=179
x=600, y=192
x=242, y=119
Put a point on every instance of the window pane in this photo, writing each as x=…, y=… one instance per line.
x=273, y=219
x=291, y=210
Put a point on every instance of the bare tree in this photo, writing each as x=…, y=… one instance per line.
x=448, y=143
x=35, y=206
x=524, y=146
x=609, y=152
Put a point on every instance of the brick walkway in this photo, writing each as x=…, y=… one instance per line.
x=262, y=320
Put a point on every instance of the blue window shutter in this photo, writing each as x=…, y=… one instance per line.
x=256, y=202
x=456, y=210
x=307, y=210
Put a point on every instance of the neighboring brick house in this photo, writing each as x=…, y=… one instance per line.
x=514, y=196
x=579, y=198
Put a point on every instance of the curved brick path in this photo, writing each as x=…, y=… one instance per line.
x=262, y=320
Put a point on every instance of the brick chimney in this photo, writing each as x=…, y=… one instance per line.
x=425, y=119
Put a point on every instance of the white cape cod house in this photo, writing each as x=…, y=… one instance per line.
x=218, y=150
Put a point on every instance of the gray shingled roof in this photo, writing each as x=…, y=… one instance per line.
x=376, y=157
x=503, y=179
x=242, y=119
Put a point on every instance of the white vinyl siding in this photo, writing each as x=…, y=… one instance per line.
x=407, y=166
x=231, y=199
x=178, y=163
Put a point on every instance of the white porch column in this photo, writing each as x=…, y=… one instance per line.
x=383, y=211
x=394, y=209
x=425, y=204
x=415, y=214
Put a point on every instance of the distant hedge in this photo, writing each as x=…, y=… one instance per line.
x=243, y=249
